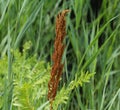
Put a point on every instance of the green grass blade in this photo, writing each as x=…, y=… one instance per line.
x=29, y=22
x=96, y=38
x=3, y=14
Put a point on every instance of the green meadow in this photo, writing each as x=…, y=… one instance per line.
x=90, y=78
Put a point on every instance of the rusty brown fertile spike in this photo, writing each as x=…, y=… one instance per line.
x=57, y=56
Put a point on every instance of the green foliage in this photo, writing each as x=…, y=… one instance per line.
x=3, y=72
x=79, y=81
x=30, y=77
x=30, y=80
x=63, y=94
x=92, y=44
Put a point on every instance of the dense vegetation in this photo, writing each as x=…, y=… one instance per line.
x=27, y=33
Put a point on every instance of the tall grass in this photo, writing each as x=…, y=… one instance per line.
x=92, y=44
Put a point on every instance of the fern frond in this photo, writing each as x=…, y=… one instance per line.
x=63, y=94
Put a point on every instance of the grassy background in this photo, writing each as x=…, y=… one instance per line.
x=92, y=44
